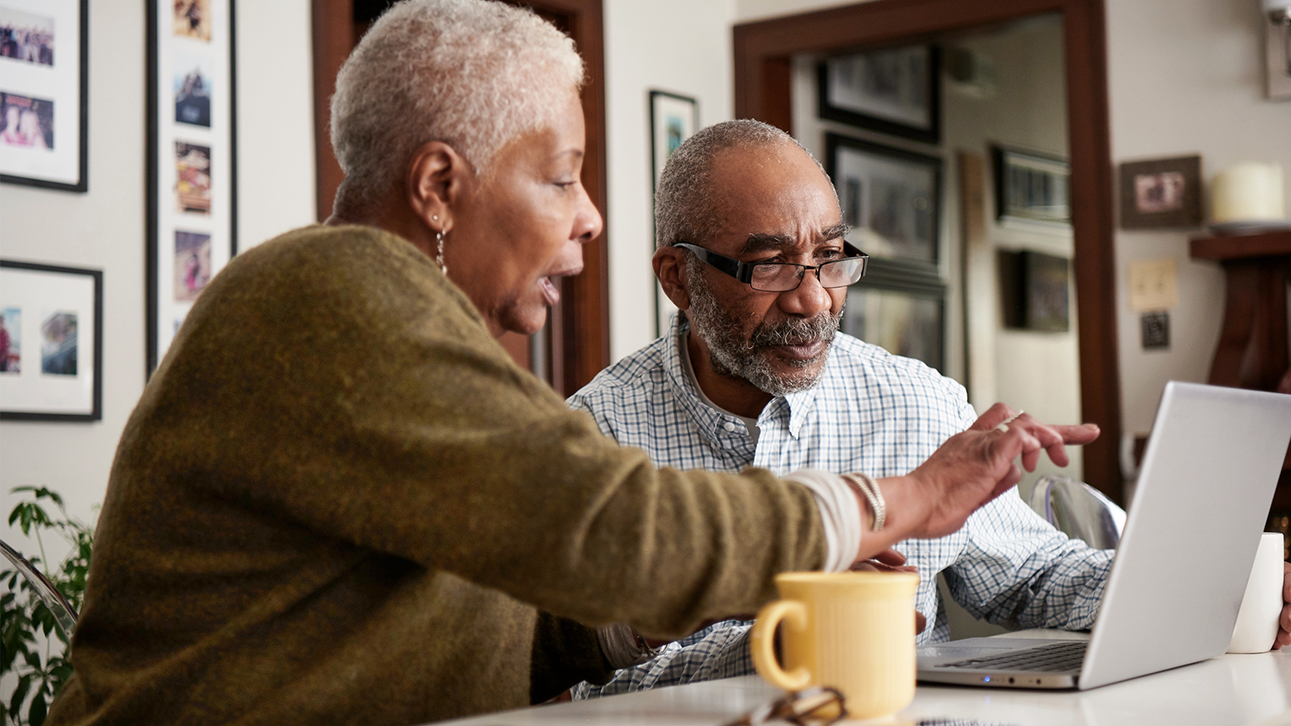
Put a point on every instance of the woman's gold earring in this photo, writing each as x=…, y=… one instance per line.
x=439, y=253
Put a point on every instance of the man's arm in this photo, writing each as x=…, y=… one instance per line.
x=1020, y=572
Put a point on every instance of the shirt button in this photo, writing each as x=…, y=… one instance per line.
x=728, y=426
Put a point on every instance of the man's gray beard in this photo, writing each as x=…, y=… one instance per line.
x=734, y=356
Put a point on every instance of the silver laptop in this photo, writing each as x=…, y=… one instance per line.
x=1203, y=493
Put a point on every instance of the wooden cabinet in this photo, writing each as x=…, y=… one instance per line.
x=1252, y=350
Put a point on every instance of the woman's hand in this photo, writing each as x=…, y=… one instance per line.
x=972, y=468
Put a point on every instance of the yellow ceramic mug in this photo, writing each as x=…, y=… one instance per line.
x=850, y=630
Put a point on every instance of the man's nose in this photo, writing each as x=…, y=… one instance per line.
x=809, y=299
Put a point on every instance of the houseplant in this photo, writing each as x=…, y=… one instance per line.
x=30, y=655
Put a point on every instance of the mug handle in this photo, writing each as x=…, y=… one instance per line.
x=762, y=643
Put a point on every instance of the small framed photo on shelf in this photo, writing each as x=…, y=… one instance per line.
x=673, y=119
x=44, y=112
x=192, y=158
x=1031, y=186
x=895, y=91
x=51, y=342
x=1161, y=193
x=890, y=198
x=1035, y=291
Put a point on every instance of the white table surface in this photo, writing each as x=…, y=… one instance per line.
x=1232, y=690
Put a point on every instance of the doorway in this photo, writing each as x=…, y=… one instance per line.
x=765, y=53
x=575, y=344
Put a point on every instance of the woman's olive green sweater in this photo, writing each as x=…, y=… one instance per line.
x=339, y=501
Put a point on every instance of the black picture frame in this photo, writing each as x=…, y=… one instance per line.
x=1035, y=291
x=673, y=119
x=192, y=158
x=46, y=94
x=1031, y=186
x=55, y=298
x=901, y=311
x=908, y=222
x=841, y=95
x=669, y=114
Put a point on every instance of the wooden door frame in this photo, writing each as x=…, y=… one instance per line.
x=580, y=324
x=763, y=53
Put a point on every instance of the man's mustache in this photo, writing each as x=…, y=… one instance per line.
x=796, y=332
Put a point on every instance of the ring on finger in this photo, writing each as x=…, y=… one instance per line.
x=1004, y=425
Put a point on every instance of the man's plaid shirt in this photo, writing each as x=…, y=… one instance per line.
x=872, y=412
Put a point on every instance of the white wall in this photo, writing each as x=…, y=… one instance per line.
x=1185, y=78
x=648, y=47
x=105, y=228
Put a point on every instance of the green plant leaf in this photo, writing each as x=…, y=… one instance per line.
x=39, y=709
x=20, y=694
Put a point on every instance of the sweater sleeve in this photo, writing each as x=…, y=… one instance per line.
x=336, y=379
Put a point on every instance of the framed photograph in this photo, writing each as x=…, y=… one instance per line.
x=192, y=158
x=895, y=91
x=1035, y=291
x=673, y=119
x=1031, y=186
x=909, y=322
x=51, y=343
x=44, y=110
x=890, y=198
x=1161, y=193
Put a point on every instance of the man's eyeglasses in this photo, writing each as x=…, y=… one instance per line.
x=786, y=276
x=819, y=706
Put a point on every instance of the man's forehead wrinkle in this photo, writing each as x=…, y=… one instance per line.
x=761, y=242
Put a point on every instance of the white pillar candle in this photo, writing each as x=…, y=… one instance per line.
x=1247, y=192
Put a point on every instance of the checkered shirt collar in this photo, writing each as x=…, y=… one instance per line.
x=712, y=422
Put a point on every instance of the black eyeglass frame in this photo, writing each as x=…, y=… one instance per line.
x=743, y=271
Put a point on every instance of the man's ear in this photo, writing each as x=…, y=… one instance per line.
x=669, y=267
x=438, y=178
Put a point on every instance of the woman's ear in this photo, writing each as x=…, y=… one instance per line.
x=669, y=267
x=438, y=178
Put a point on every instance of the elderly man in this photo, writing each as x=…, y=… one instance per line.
x=754, y=373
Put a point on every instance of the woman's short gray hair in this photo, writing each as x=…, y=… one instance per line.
x=473, y=74
x=685, y=209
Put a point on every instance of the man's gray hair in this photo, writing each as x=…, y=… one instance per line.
x=473, y=74
x=686, y=209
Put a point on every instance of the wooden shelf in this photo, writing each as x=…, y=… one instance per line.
x=1265, y=244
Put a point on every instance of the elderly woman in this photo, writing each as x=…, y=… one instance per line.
x=339, y=501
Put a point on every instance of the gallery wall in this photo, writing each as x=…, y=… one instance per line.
x=105, y=228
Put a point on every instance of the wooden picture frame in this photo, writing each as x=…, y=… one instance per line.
x=1031, y=186
x=51, y=361
x=44, y=93
x=673, y=119
x=192, y=158
x=1161, y=193
x=891, y=198
x=894, y=91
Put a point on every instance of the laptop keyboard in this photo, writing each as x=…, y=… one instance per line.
x=1057, y=657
